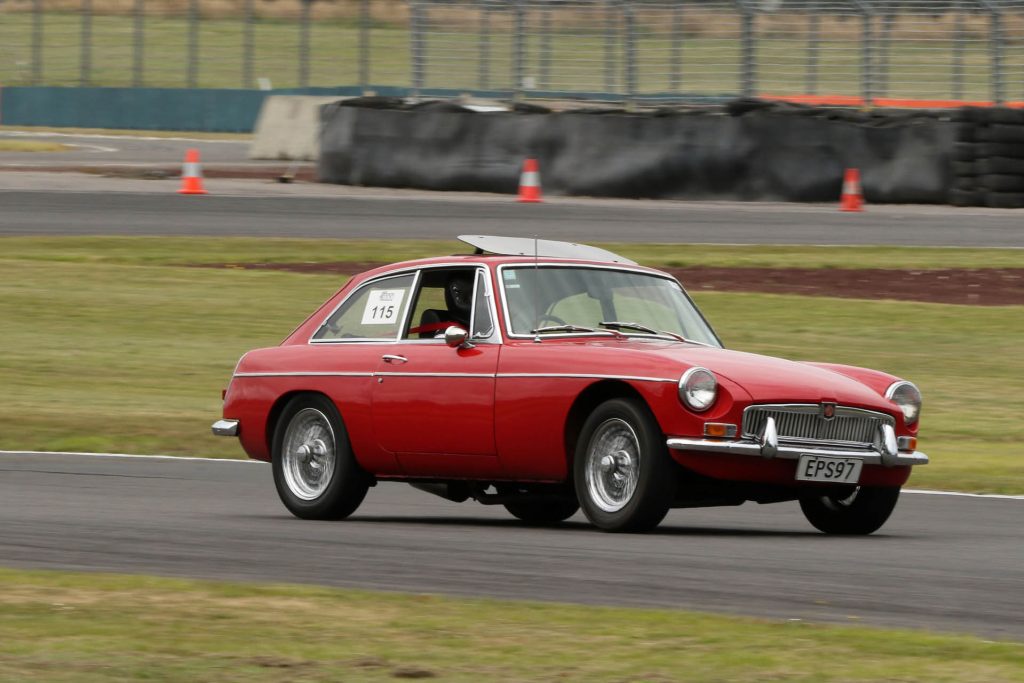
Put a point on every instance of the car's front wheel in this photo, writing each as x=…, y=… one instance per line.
x=315, y=473
x=624, y=477
x=853, y=512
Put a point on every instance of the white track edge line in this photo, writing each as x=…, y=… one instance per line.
x=134, y=455
x=927, y=492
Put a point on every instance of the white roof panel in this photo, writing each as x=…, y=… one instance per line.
x=528, y=246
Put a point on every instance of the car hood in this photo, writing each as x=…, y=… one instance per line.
x=770, y=379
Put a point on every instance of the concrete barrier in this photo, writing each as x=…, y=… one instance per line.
x=288, y=128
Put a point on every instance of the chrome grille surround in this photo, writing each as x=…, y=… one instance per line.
x=802, y=424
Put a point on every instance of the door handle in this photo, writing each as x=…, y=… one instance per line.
x=389, y=358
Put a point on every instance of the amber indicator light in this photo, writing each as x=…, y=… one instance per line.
x=719, y=429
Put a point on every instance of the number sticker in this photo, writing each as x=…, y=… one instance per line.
x=383, y=306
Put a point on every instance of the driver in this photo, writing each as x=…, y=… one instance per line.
x=458, y=297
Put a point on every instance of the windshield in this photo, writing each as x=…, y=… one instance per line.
x=575, y=300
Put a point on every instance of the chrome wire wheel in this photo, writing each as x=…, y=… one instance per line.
x=309, y=453
x=612, y=465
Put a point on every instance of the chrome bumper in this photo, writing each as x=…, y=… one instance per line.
x=225, y=428
x=768, y=447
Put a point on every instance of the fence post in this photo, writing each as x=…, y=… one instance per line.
x=139, y=43
x=866, y=51
x=193, y=44
x=882, y=67
x=996, y=49
x=247, y=44
x=484, y=45
x=306, y=6
x=518, y=48
x=813, y=49
x=37, y=42
x=545, y=47
x=630, y=57
x=959, y=40
x=418, y=47
x=749, y=50
x=610, y=29
x=364, y=45
x=85, y=60
x=676, y=49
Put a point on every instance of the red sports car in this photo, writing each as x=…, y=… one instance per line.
x=545, y=377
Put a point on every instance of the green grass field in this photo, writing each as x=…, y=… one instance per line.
x=709, y=64
x=112, y=344
x=77, y=627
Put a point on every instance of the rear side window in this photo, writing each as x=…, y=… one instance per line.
x=375, y=311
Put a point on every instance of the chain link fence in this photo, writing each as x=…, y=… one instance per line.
x=835, y=51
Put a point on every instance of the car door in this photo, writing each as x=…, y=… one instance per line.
x=433, y=405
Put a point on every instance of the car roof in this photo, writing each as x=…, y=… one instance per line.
x=496, y=260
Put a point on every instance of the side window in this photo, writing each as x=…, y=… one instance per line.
x=444, y=298
x=375, y=311
x=483, y=325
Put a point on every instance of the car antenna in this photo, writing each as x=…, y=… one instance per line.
x=536, y=291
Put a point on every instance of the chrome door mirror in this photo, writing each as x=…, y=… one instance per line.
x=455, y=336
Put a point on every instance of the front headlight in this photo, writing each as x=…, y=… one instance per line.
x=908, y=398
x=698, y=389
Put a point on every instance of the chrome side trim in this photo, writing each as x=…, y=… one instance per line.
x=573, y=375
x=754, y=448
x=225, y=428
x=484, y=375
x=309, y=373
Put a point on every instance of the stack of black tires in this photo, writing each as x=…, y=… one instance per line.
x=988, y=158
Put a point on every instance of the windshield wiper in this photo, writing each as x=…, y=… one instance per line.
x=563, y=328
x=620, y=324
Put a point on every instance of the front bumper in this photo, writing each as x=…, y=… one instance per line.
x=225, y=428
x=768, y=447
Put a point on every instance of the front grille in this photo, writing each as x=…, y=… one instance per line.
x=803, y=424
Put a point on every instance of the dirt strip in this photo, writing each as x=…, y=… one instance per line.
x=968, y=286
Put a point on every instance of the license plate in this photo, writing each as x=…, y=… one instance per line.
x=836, y=470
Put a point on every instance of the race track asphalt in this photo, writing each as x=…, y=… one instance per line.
x=942, y=563
x=72, y=204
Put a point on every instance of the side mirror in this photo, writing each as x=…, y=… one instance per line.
x=455, y=336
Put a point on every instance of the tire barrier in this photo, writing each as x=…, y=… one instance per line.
x=747, y=150
x=988, y=158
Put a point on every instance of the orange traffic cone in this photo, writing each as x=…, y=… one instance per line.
x=529, y=182
x=852, y=199
x=192, y=174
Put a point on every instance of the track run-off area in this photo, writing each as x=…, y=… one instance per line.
x=38, y=204
x=943, y=562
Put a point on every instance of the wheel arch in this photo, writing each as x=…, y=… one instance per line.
x=278, y=407
x=588, y=399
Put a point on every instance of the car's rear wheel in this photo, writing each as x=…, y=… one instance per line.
x=315, y=473
x=542, y=510
x=853, y=512
x=623, y=474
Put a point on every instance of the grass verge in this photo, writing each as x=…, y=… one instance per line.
x=32, y=146
x=63, y=627
x=108, y=346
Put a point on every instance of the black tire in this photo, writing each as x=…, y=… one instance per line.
x=1000, y=149
x=965, y=169
x=965, y=132
x=1001, y=182
x=964, y=151
x=542, y=510
x=1005, y=165
x=623, y=426
x=966, y=198
x=1004, y=115
x=1004, y=200
x=1001, y=132
x=966, y=184
x=850, y=512
x=304, y=493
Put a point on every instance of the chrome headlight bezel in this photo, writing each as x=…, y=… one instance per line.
x=908, y=397
x=698, y=389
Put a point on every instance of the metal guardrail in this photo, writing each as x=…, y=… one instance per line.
x=841, y=51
